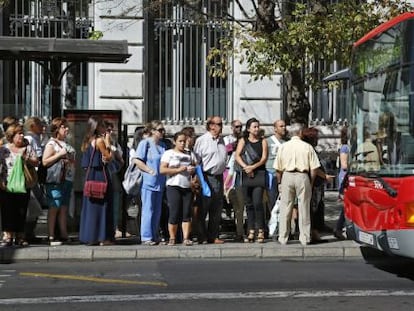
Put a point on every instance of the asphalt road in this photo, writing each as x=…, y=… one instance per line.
x=206, y=284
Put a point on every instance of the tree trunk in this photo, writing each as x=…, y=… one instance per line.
x=266, y=16
x=297, y=101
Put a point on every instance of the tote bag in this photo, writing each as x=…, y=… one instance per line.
x=56, y=173
x=30, y=175
x=16, y=182
x=132, y=180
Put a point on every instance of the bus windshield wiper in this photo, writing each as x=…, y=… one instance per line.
x=390, y=190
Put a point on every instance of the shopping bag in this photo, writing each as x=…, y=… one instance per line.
x=16, y=182
x=274, y=218
x=205, y=188
x=132, y=180
x=30, y=175
x=34, y=209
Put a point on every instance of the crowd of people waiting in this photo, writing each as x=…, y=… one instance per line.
x=175, y=207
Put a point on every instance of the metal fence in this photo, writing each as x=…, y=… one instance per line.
x=26, y=86
x=182, y=39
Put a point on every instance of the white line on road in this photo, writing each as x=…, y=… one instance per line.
x=213, y=296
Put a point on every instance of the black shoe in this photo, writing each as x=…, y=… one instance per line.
x=318, y=241
x=239, y=238
x=34, y=240
x=338, y=234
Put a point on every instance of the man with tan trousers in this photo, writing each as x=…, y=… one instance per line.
x=296, y=165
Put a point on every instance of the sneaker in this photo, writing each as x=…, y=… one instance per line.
x=150, y=243
x=53, y=242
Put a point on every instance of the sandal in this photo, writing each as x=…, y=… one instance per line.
x=171, y=242
x=250, y=237
x=106, y=243
x=260, y=236
x=187, y=242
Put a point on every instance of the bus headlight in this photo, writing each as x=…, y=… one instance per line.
x=409, y=210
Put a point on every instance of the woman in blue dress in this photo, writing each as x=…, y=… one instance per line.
x=96, y=220
x=148, y=159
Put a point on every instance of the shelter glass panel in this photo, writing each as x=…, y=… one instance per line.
x=27, y=86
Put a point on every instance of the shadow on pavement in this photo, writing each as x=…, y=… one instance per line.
x=400, y=266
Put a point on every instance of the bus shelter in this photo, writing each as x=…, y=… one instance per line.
x=55, y=51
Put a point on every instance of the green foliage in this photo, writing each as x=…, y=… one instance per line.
x=311, y=33
x=95, y=35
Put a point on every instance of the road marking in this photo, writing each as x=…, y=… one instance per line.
x=91, y=279
x=206, y=296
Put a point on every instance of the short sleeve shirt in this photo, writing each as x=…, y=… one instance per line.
x=176, y=159
x=212, y=153
x=296, y=155
x=150, y=153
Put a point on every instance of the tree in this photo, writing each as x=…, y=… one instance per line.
x=307, y=34
x=301, y=35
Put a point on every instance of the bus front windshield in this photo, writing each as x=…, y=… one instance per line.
x=381, y=117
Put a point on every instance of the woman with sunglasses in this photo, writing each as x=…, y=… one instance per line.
x=148, y=159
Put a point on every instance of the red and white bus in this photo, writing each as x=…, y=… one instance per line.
x=379, y=187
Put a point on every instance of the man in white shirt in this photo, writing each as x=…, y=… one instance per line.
x=231, y=140
x=34, y=127
x=273, y=144
x=211, y=152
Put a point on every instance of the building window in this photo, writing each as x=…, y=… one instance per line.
x=182, y=88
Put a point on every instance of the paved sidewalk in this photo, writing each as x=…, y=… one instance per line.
x=127, y=249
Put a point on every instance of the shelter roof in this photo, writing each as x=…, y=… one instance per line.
x=63, y=50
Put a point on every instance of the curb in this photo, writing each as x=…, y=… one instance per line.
x=344, y=250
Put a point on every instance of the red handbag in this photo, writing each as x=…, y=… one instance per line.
x=95, y=189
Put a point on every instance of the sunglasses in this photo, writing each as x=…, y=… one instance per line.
x=237, y=126
x=161, y=130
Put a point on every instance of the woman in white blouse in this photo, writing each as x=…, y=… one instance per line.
x=178, y=165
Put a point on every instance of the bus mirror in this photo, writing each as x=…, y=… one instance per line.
x=344, y=74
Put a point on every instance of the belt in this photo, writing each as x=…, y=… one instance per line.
x=297, y=171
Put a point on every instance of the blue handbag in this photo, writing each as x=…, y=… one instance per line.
x=205, y=188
